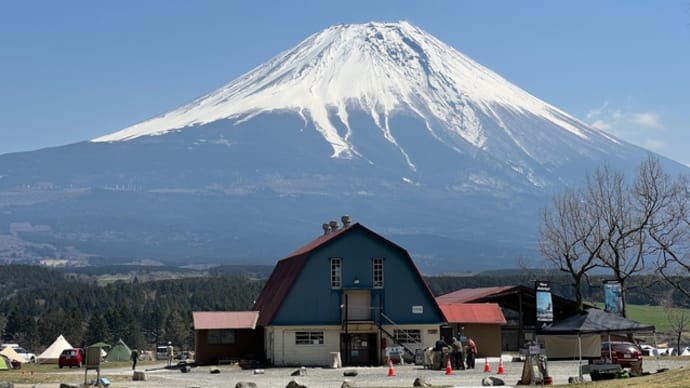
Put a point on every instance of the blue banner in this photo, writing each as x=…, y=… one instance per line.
x=544, y=302
x=613, y=297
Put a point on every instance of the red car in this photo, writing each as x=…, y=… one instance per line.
x=621, y=352
x=71, y=357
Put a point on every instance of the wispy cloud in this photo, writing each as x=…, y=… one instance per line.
x=644, y=128
x=646, y=119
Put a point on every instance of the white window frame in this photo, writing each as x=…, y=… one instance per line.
x=377, y=266
x=309, y=338
x=336, y=273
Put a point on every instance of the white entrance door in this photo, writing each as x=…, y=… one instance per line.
x=359, y=305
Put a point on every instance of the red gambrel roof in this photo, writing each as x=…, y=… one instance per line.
x=473, y=313
x=468, y=295
x=210, y=320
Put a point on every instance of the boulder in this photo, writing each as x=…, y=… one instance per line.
x=139, y=376
x=421, y=382
x=349, y=373
x=295, y=384
x=348, y=384
x=299, y=372
x=186, y=369
x=492, y=381
x=246, y=384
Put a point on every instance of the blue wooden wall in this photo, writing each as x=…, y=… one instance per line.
x=312, y=301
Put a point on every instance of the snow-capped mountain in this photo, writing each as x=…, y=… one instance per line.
x=381, y=120
x=382, y=70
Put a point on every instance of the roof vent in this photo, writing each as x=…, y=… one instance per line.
x=326, y=228
x=334, y=225
x=347, y=220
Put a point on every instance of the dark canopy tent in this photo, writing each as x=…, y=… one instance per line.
x=594, y=321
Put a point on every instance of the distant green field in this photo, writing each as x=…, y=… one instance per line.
x=654, y=315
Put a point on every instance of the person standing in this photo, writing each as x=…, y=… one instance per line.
x=170, y=354
x=134, y=357
x=458, y=356
x=471, y=353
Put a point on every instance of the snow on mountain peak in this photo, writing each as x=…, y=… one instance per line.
x=378, y=68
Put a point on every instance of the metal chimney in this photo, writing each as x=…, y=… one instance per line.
x=347, y=220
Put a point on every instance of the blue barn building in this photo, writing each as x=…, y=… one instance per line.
x=350, y=295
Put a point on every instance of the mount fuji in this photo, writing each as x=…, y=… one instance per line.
x=381, y=121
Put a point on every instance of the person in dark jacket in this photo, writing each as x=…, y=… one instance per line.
x=134, y=356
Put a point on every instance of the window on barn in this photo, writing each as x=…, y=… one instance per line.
x=413, y=336
x=220, y=337
x=309, y=338
x=378, y=272
x=336, y=272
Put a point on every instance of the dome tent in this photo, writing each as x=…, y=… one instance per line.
x=119, y=352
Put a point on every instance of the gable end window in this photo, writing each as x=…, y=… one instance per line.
x=336, y=272
x=309, y=338
x=378, y=272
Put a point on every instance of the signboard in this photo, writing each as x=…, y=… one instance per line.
x=544, y=303
x=613, y=297
x=417, y=309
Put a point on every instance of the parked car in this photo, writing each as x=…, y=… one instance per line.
x=622, y=353
x=71, y=357
x=27, y=355
x=162, y=352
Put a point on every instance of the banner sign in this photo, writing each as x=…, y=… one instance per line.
x=544, y=303
x=613, y=297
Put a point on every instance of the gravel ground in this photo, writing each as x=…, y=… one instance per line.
x=333, y=378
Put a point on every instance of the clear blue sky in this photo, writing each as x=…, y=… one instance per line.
x=75, y=70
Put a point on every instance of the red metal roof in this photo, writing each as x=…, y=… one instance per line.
x=473, y=313
x=467, y=295
x=207, y=320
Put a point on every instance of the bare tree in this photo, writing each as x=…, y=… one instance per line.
x=678, y=319
x=569, y=237
x=670, y=232
x=613, y=224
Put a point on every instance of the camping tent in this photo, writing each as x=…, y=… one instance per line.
x=593, y=321
x=119, y=352
x=104, y=348
x=5, y=363
x=51, y=355
x=12, y=355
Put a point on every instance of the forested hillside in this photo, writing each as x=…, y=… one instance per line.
x=45, y=304
x=37, y=304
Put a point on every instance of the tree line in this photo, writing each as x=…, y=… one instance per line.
x=142, y=314
x=38, y=304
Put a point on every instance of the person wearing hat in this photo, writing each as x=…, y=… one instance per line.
x=171, y=354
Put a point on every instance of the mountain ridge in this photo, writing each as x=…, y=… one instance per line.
x=251, y=173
